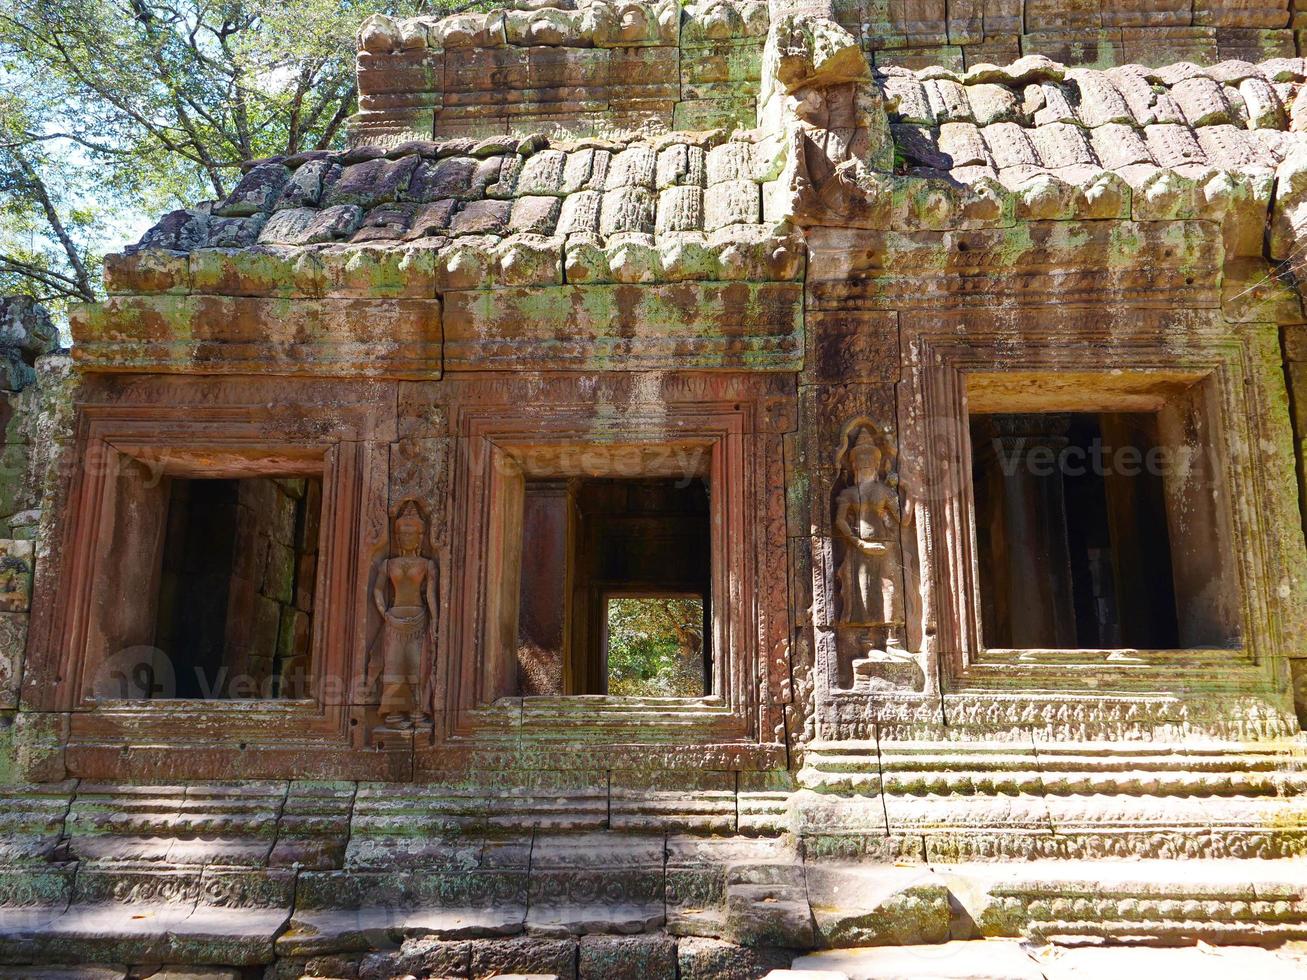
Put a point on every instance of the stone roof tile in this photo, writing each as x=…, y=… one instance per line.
x=577, y=171
x=905, y=97
x=304, y=188
x=963, y=144
x=1173, y=145
x=1062, y=145
x=1232, y=116
x=1202, y=101
x=920, y=145
x=992, y=103
x=948, y=100
x=731, y=202
x=385, y=222
x=679, y=165
x=241, y=232
x=256, y=192
x=1099, y=100
x=372, y=182
x=730, y=161
x=534, y=215
x=1261, y=104
x=1231, y=148
x=627, y=208
x=542, y=173
x=1010, y=146
x=1118, y=145
x=579, y=214
x=484, y=217
x=680, y=209
x=432, y=219
x=1049, y=103
x=633, y=167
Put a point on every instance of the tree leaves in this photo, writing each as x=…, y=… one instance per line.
x=655, y=646
x=114, y=108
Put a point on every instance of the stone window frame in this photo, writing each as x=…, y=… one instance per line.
x=492, y=442
x=1092, y=364
x=219, y=429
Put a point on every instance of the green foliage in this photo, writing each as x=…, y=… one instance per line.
x=114, y=109
x=655, y=647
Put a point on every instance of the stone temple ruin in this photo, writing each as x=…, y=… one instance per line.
x=942, y=360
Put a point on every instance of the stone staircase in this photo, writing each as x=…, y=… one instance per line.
x=883, y=843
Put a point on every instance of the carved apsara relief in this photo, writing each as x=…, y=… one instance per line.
x=870, y=512
x=402, y=663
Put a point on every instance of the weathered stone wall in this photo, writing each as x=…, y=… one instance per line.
x=34, y=410
x=884, y=253
x=609, y=70
x=600, y=70
x=1100, y=33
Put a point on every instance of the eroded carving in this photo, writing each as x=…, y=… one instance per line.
x=869, y=516
x=403, y=659
x=818, y=91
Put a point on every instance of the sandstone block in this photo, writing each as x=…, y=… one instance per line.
x=714, y=959
x=534, y=215
x=485, y=217
x=235, y=232
x=419, y=957
x=634, y=167
x=732, y=202
x=680, y=209
x=257, y=191
x=650, y=957
x=631, y=208
x=490, y=958
x=768, y=905
x=956, y=960
x=13, y=641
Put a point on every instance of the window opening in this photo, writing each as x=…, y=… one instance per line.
x=1074, y=546
x=236, y=577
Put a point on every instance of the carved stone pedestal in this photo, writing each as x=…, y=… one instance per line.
x=883, y=673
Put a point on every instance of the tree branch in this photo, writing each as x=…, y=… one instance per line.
x=81, y=278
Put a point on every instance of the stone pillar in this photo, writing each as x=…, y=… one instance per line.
x=1031, y=559
x=541, y=613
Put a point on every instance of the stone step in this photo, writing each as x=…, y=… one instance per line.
x=1008, y=960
